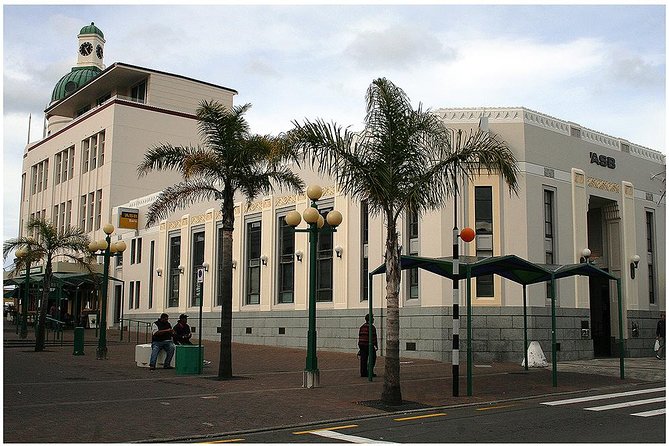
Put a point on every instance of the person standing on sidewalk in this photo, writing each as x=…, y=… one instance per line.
x=182, y=332
x=660, y=333
x=162, y=340
x=363, y=345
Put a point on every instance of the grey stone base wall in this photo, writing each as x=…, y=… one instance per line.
x=497, y=333
x=641, y=327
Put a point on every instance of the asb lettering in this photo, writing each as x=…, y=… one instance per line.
x=602, y=160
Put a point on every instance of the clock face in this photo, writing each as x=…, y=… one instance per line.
x=98, y=51
x=86, y=48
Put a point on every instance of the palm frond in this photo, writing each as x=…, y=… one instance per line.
x=165, y=157
x=179, y=196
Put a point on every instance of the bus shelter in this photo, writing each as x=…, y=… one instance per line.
x=517, y=270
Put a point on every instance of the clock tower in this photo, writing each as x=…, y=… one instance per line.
x=91, y=47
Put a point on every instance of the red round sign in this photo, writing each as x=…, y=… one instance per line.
x=467, y=234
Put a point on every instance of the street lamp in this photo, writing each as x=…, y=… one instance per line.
x=24, y=254
x=316, y=222
x=107, y=250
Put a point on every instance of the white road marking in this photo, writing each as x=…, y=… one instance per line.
x=348, y=438
x=651, y=413
x=626, y=404
x=602, y=397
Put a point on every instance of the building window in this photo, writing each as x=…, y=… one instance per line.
x=131, y=294
x=68, y=214
x=63, y=225
x=197, y=253
x=138, y=92
x=286, y=273
x=484, y=233
x=23, y=187
x=253, y=239
x=133, y=248
x=549, y=234
x=174, y=262
x=412, y=231
x=71, y=163
x=98, y=211
x=650, y=255
x=364, y=248
x=58, y=167
x=102, y=99
x=82, y=213
x=85, y=154
x=137, y=288
x=33, y=179
x=56, y=214
x=324, y=263
x=91, y=210
x=152, y=251
x=101, y=148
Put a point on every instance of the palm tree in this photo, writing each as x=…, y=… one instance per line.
x=404, y=160
x=47, y=244
x=230, y=160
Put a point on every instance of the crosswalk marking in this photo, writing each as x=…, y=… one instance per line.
x=325, y=429
x=627, y=404
x=348, y=438
x=651, y=413
x=602, y=397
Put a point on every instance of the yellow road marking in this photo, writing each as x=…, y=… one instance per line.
x=326, y=429
x=212, y=397
x=232, y=440
x=496, y=407
x=417, y=417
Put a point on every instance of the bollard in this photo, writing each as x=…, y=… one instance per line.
x=78, y=341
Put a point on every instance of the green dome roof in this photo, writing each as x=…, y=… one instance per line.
x=69, y=83
x=91, y=29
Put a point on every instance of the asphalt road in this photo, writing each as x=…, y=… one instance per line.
x=635, y=415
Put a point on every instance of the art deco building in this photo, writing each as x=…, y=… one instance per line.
x=578, y=188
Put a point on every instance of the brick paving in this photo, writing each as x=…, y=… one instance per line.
x=54, y=396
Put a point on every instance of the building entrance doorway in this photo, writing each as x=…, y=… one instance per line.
x=600, y=316
x=604, y=243
x=118, y=304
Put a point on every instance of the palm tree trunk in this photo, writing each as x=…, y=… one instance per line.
x=392, y=393
x=40, y=337
x=225, y=361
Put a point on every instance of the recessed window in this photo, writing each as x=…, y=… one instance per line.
x=253, y=244
x=174, y=277
x=286, y=267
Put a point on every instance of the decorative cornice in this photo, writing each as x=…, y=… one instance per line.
x=598, y=183
x=527, y=116
x=197, y=219
x=285, y=200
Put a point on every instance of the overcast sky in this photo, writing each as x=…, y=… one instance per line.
x=602, y=67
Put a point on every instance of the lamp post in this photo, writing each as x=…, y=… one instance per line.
x=107, y=250
x=316, y=222
x=23, y=253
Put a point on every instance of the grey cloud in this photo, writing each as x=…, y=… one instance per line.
x=261, y=68
x=397, y=47
x=635, y=70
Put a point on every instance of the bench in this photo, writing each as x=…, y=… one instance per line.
x=143, y=356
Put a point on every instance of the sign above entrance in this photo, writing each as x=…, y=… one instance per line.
x=602, y=160
x=128, y=218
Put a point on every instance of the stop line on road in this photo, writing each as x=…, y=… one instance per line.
x=632, y=403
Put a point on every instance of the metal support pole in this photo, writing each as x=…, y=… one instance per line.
x=621, y=341
x=469, y=332
x=553, y=332
x=24, y=305
x=311, y=373
x=200, y=287
x=525, y=325
x=456, y=294
x=370, y=365
x=101, y=351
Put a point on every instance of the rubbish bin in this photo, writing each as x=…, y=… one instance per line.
x=189, y=359
x=78, y=341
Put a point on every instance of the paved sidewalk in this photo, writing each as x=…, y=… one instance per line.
x=54, y=396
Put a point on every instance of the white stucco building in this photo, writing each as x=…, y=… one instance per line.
x=578, y=188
